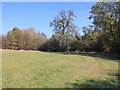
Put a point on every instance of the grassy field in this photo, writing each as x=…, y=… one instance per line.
x=34, y=69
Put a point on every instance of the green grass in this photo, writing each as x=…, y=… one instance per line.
x=34, y=69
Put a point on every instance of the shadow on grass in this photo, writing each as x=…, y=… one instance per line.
x=94, y=54
x=98, y=83
x=91, y=83
x=114, y=73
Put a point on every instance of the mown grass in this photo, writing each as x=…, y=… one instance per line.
x=34, y=69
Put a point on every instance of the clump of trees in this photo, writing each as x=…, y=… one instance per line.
x=26, y=39
x=103, y=35
x=65, y=33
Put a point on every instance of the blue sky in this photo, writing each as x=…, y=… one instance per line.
x=38, y=15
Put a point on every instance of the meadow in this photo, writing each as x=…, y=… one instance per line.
x=35, y=69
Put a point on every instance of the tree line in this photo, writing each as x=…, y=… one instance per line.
x=26, y=39
x=102, y=35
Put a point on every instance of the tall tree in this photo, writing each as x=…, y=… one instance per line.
x=106, y=17
x=14, y=38
x=64, y=28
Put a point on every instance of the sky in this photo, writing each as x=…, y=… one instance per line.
x=38, y=15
